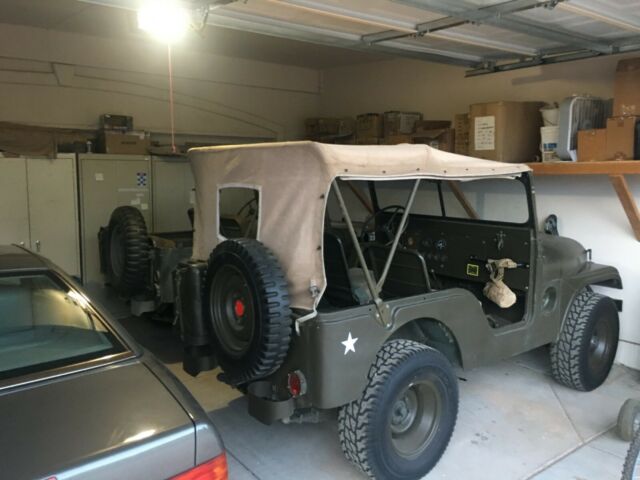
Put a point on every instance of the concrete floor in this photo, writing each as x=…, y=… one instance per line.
x=515, y=423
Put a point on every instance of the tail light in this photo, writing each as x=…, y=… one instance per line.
x=215, y=469
x=297, y=384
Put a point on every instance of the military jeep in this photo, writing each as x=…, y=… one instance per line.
x=373, y=272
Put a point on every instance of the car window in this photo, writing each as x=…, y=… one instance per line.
x=427, y=201
x=44, y=325
x=493, y=199
x=238, y=208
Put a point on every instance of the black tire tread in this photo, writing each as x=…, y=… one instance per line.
x=276, y=312
x=354, y=417
x=632, y=458
x=137, y=246
x=566, y=351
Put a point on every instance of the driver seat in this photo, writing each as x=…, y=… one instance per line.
x=338, y=292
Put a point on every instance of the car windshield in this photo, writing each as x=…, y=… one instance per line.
x=45, y=325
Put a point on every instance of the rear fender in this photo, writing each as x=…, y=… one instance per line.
x=336, y=350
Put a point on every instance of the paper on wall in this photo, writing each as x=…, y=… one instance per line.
x=485, y=133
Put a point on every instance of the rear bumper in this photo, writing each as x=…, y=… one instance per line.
x=267, y=410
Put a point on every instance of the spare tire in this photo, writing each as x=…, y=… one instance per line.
x=128, y=252
x=247, y=305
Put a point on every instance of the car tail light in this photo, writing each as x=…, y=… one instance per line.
x=297, y=384
x=215, y=469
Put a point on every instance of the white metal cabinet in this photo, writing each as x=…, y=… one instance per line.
x=14, y=202
x=107, y=182
x=53, y=210
x=173, y=194
x=38, y=208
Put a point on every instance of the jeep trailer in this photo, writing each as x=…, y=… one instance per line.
x=312, y=313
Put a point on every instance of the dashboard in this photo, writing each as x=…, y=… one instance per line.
x=460, y=249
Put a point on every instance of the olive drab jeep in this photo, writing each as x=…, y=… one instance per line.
x=369, y=273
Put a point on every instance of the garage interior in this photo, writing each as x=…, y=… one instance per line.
x=95, y=114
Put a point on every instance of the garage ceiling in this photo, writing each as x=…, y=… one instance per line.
x=484, y=36
x=91, y=19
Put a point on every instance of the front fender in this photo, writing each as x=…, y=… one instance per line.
x=596, y=274
x=591, y=274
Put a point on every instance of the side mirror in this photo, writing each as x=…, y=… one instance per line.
x=551, y=225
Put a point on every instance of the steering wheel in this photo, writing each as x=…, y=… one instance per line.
x=381, y=233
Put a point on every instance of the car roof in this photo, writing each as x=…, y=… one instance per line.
x=15, y=259
x=293, y=180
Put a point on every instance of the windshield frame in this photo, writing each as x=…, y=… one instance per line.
x=524, y=179
x=74, y=366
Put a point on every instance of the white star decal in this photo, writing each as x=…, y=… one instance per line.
x=349, y=344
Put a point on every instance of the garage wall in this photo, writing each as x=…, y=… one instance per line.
x=53, y=78
x=588, y=208
x=440, y=91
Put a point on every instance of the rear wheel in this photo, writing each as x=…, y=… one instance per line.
x=128, y=251
x=583, y=355
x=403, y=422
x=247, y=304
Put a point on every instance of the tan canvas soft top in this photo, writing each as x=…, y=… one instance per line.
x=294, y=179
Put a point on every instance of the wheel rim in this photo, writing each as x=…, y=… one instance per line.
x=415, y=418
x=601, y=345
x=116, y=252
x=232, y=311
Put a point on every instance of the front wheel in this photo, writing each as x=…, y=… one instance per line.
x=582, y=356
x=402, y=424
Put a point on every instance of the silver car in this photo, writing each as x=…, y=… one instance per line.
x=79, y=399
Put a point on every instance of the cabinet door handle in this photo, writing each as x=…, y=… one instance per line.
x=38, y=246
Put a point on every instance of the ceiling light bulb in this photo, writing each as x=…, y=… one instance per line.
x=165, y=20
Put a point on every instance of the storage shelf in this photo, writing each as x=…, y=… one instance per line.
x=615, y=170
x=614, y=167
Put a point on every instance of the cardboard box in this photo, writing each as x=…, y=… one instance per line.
x=400, y=123
x=442, y=139
x=369, y=125
x=123, y=143
x=461, y=127
x=397, y=139
x=110, y=121
x=325, y=127
x=626, y=88
x=505, y=131
x=428, y=125
x=368, y=141
x=621, y=138
x=592, y=145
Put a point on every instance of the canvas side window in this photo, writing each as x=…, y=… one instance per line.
x=494, y=200
x=239, y=214
x=427, y=201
